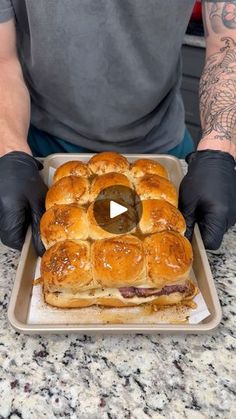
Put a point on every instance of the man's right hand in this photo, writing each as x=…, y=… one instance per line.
x=22, y=198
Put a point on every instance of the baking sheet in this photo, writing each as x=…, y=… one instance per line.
x=28, y=312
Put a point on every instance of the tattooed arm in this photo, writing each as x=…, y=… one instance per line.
x=218, y=81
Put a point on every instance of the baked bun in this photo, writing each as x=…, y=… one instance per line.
x=66, y=267
x=144, y=167
x=158, y=215
x=68, y=190
x=71, y=168
x=156, y=187
x=125, y=222
x=62, y=222
x=118, y=262
x=107, y=162
x=169, y=258
x=111, y=179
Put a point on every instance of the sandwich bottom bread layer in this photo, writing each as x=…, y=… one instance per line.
x=112, y=297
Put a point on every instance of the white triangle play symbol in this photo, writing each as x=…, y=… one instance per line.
x=116, y=209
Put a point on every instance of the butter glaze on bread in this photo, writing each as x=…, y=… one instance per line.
x=144, y=167
x=156, y=187
x=118, y=262
x=68, y=190
x=102, y=182
x=85, y=265
x=62, y=222
x=71, y=168
x=158, y=215
x=169, y=258
x=66, y=266
x=108, y=161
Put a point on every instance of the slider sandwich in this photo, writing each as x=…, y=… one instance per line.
x=87, y=264
x=118, y=272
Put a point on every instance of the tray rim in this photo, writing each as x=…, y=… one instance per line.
x=113, y=328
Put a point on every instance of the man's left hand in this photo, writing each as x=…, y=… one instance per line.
x=208, y=195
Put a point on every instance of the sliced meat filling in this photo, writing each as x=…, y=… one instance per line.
x=130, y=292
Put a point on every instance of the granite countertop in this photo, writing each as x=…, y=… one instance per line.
x=134, y=376
x=123, y=376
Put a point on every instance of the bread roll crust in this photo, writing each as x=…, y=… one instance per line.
x=169, y=257
x=142, y=167
x=109, y=180
x=118, y=262
x=68, y=190
x=114, y=270
x=71, y=168
x=156, y=187
x=158, y=215
x=62, y=222
x=66, y=266
x=108, y=161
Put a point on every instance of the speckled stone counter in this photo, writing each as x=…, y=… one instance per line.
x=121, y=377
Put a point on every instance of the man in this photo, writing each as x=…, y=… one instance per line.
x=100, y=75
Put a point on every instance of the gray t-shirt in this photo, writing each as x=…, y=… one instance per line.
x=104, y=74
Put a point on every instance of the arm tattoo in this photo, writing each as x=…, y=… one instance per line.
x=218, y=93
x=221, y=15
x=229, y=14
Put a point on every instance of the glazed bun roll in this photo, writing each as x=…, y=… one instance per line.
x=156, y=187
x=144, y=167
x=71, y=168
x=102, y=226
x=118, y=262
x=68, y=190
x=62, y=222
x=100, y=183
x=107, y=162
x=157, y=215
x=169, y=258
x=66, y=267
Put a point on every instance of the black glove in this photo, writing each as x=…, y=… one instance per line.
x=22, y=197
x=208, y=195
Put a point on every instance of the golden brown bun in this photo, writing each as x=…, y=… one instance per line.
x=68, y=190
x=67, y=300
x=66, y=266
x=71, y=168
x=125, y=223
x=144, y=167
x=105, y=181
x=107, y=162
x=158, y=215
x=118, y=262
x=63, y=222
x=169, y=257
x=156, y=187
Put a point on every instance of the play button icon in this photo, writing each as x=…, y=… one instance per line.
x=115, y=209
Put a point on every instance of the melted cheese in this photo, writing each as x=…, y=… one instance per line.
x=106, y=293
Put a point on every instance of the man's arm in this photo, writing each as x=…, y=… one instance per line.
x=218, y=81
x=14, y=95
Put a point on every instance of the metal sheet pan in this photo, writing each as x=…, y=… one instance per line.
x=20, y=305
